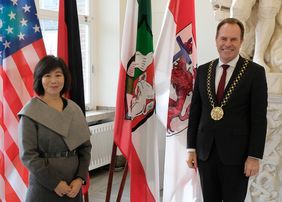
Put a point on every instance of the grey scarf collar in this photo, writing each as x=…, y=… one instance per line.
x=70, y=123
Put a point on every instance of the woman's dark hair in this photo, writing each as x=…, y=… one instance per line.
x=231, y=21
x=45, y=66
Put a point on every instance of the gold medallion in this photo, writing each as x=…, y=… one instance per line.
x=217, y=113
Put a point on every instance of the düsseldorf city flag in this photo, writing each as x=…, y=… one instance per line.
x=135, y=107
x=176, y=62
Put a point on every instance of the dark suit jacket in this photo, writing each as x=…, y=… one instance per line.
x=242, y=130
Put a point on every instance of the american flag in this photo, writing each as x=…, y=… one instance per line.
x=21, y=47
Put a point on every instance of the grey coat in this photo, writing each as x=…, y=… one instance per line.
x=40, y=130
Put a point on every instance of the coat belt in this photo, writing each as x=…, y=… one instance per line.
x=57, y=154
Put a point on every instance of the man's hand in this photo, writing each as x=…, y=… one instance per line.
x=192, y=159
x=75, y=187
x=62, y=188
x=251, y=167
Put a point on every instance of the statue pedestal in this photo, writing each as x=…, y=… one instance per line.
x=266, y=186
x=274, y=83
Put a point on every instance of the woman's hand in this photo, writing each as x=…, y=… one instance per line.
x=62, y=188
x=75, y=187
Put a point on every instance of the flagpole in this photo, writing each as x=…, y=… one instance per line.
x=111, y=171
x=110, y=179
x=122, y=183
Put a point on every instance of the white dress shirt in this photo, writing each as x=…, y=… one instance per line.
x=229, y=71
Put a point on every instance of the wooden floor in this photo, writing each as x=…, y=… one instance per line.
x=98, y=185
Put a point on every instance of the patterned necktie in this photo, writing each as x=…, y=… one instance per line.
x=221, y=85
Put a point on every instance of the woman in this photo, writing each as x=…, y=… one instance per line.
x=54, y=137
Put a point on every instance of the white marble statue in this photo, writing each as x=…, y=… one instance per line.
x=267, y=11
x=221, y=9
x=273, y=55
x=262, y=20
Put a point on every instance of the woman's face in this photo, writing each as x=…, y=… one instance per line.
x=53, y=82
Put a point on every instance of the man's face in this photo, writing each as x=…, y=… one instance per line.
x=228, y=42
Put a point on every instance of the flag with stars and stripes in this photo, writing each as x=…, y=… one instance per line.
x=21, y=47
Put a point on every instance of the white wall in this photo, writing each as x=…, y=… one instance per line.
x=206, y=29
x=109, y=16
x=158, y=12
x=106, y=53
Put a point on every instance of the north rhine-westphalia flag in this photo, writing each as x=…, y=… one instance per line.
x=135, y=107
x=21, y=47
x=70, y=50
x=176, y=62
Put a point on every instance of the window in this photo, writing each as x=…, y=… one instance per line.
x=53, y=5
x=48, y=17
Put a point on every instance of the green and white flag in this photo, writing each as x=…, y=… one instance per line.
x=135, y=107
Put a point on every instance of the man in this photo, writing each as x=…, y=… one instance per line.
x=227, y=127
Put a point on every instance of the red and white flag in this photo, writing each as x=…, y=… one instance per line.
x=135, y=107
x=21, y=47
x=176, y=62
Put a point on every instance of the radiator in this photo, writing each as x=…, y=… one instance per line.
x=102, y=143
